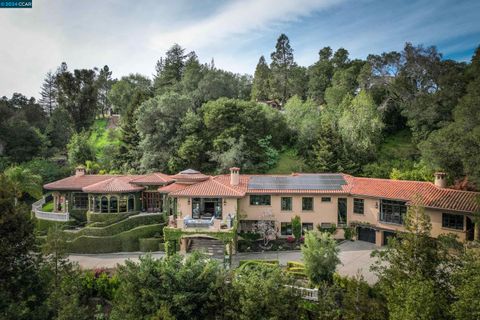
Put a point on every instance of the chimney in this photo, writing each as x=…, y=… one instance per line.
x=234, y=176
x=79, y=171
x=440, y=179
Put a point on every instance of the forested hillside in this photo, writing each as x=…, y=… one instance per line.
x=401, y=115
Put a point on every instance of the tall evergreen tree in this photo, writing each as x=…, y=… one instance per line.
x=104, y=84
x=261, y=81
x=48, y=93
x=320, y=75
x=78, y=94
x=170, y=69
x=281, y=66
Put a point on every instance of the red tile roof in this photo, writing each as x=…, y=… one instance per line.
x=153, y=179
x=172, y=187
x=113, y=185
x=218, y=186
x=430, y=195
x=76, y=182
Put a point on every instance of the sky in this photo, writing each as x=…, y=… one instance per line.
x=130, y=36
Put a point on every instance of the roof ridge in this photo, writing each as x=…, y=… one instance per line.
x=225, y=185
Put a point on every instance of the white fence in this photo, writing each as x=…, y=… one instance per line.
x=52, y=216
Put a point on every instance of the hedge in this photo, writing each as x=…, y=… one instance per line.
x=42, y=226
x=105, y=219
x=150, y=244
x=118, y=227
x=127, y=241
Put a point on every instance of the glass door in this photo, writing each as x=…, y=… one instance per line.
x=342, y=211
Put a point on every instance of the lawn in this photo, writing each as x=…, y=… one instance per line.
x=48, y=207
x=288, y=162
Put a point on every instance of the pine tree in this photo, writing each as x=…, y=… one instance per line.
x=169, y=69
x=261, y=81
x=281, y=66
x=104, y=83
x=48, y=93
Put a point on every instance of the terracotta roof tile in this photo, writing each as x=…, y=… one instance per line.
x=152, y=179
x=113, y=185
x=173, y=187
x=76, y=182
x=189, y=175
x=218, y=186
x=430, y=195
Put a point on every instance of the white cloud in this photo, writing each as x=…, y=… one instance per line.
x=238, y=18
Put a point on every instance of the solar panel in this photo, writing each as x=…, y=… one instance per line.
x=299, y=182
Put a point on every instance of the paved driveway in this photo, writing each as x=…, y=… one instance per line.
x=354, y=255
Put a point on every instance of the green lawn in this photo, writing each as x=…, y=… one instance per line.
x=101, y=136
x=288, y=162
x=48, y=207
x=397, y=146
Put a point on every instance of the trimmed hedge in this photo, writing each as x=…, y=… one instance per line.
x=118, y=227
x=105, y=219
x=150, y=244
x=42, y=226
x=127, y=241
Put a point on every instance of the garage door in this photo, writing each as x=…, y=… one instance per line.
x=366, y=234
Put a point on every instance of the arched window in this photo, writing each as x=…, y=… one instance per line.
x=113, y=204
x=131, y=202
x=123, y=203
x=96, y=206
x=104, y=204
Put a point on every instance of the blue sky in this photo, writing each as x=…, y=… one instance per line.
x=130, y=36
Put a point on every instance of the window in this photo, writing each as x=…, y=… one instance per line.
x=307, y=227
x=96, y=206
x=80, y=200
x=342, y=211
x=326, y=199
x=104, y=204
x=286, y=203
x=123, y=204
x=260, y=200
x=113, y=204
x=392, y=211
x=206, y=208
x=452, y=221
x=307, y=203
x=131, y=203
x=286, y=228
x=358, y=206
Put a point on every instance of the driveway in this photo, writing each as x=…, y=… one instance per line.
x=354, y=256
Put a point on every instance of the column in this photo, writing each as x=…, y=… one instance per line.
x=378, y=238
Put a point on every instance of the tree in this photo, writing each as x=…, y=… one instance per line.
x=78, y=95
x=281, y=66
x=466, y=283
x=360, y=124
x=261, y=81
x=184, y=288
x=48, y=93
x=104, y=84
x=22, y=293
x=59, y=129
x=193, y=72
x=453, y=147
x=265, y=227
x=417, y=268
x=320, y=254
x=80, y=149
x=262, y=293
x=320, y=76
x=169, y=69
x=296, y=228
x=129, y=92
x=23, y=181
x=157, y=124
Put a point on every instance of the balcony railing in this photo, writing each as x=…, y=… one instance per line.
x=198, y=223
x=44, y=215
x=306, y=293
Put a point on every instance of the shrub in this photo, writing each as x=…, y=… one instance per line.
x=290, y=239
x=149, y=244
x=296, y=227
x=123, y=242
x=118, y=227
x=349, y=233
x=320, y=253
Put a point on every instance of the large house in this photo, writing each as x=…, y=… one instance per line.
x=203, y=205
